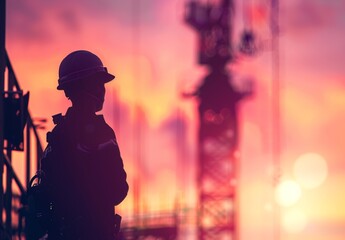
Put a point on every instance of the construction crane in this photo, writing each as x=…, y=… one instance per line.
x=218, y=129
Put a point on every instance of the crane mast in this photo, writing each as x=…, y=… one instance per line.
x=217, y=174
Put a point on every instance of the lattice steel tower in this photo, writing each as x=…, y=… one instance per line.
x=218, y=132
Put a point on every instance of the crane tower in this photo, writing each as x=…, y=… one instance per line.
x=218, y=130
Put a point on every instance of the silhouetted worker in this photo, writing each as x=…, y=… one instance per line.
x=82, y=162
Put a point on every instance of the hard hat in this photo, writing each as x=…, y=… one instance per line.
x=80, y=65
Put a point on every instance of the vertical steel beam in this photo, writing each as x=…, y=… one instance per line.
x=28, y=153
x=9, y=177
x=2, y=86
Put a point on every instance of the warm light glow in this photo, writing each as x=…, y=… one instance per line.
x=268, y=207
x=288, y=193
x=310, y=170
x=207, y=222
x=294, y=221
x=153, y=55
x=228, y=206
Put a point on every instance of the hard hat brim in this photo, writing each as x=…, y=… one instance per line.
x=102, y=76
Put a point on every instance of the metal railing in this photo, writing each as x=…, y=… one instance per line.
x=160, y=225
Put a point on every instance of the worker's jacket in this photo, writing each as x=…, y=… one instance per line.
x=84, y=171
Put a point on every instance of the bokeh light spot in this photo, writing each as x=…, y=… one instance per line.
x=294, y=221
x=310, y=170
x=287, y=193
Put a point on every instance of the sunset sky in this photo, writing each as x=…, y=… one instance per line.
x=152, y=52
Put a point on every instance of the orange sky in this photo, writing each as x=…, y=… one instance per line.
x=152, y=53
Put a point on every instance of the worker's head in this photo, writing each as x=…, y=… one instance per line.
x=82, y=76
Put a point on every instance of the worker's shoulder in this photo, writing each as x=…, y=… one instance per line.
x=104, y=127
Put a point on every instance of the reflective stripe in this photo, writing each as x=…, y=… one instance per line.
x=108, y=144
